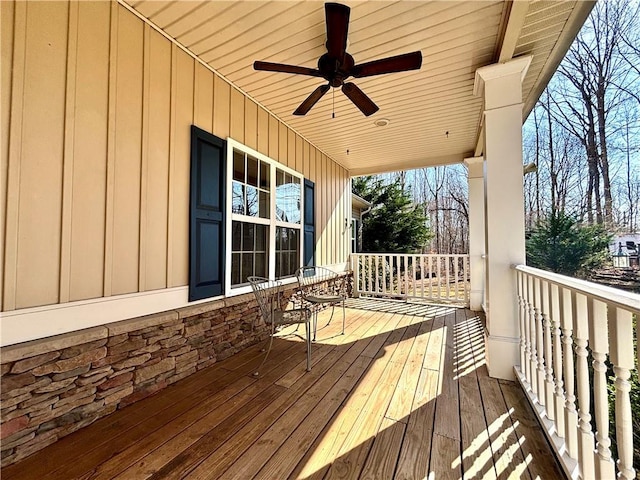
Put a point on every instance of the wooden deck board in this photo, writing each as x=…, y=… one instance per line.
x=383, y=457
x=476, y=447
x=532, y=442
x=400, y=396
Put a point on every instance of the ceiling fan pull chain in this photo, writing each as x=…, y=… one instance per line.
x=333, y=103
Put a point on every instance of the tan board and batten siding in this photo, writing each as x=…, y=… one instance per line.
x=96, y=115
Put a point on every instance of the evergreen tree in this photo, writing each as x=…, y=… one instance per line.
x=560, y=244
x=395, y=224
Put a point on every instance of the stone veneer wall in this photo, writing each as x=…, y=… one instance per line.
x=55, y=386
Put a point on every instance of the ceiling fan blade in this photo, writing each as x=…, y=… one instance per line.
x=360, y=100
x=399, y=63
x=311, y=100
x=337, y=18
x=282, y=68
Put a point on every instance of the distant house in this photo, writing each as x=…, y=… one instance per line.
x=359, y=207
x=625, y=244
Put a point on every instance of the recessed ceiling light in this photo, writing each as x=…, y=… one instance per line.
x=381, y=122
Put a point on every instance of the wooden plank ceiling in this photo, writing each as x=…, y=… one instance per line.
x=433, y=116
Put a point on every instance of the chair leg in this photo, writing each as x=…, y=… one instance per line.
x=315, y=322
x=257, y=372
x=333, y=308
x=308, y=327
x=343, y=315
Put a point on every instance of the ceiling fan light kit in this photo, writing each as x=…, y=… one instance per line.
x=337, y=65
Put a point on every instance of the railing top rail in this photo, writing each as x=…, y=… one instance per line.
x=619, y=298
x=360, y=254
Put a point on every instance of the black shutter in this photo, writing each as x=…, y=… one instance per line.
x=309, y=224
x=206, y=215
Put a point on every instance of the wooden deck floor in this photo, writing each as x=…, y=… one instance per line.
x=404, y=394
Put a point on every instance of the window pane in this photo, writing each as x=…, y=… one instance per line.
x=279, y=177
x=288, y=198
x=287, y=251
x=252, y=171
x=297, y=193
x=265, y=174
x=261, y=238
x=284, y=268
x=247, y=266
x=265, y=204
x=237, y=198
x=261, y=264
x=247, y=237
x=252, y=202
x=238, y=166
x=236, y=236
x=235, y=269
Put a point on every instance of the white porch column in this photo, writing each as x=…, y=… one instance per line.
x=501, y=87
x=475, y=179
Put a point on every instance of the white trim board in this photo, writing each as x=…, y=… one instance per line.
x=39, y=322
x=27, y=324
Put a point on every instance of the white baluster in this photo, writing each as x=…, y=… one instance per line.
x=447, y=270
x=571, y=415
x=549, y=386
x=621, y=335
x=533, y=353
x=356, y=274
x=466, y=283
x=405, y=259
x=522, y=315
x=599, y=339
x=557, y=361
x=367, y=274
x=430, y=257
x=422, y=276
x=585, y=437
x=439, y=276
x=378, y=283
x=539, y=341
x=385, y=262
x=413, y=270
x=456, y=272
x=399, y=278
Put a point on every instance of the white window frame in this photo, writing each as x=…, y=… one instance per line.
x=271, y=222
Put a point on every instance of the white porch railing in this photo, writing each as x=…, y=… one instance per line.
x=566, y=324
x=430, y=277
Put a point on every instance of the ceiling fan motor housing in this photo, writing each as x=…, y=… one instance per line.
x=334, y=70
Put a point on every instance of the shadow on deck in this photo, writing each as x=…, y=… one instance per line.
x=404, y=394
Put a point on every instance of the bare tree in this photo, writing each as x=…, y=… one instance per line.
x=594, y=82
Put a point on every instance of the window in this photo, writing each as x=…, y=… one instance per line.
x=265, y=222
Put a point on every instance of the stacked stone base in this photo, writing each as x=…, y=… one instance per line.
x=55, y=386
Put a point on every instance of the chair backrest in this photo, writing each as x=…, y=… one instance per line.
x=319, y=279
x=265, y=290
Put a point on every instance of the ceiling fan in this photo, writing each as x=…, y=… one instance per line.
x=337, y=65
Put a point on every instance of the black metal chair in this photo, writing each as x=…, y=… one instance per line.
x=321, y=286
x=269, y=296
